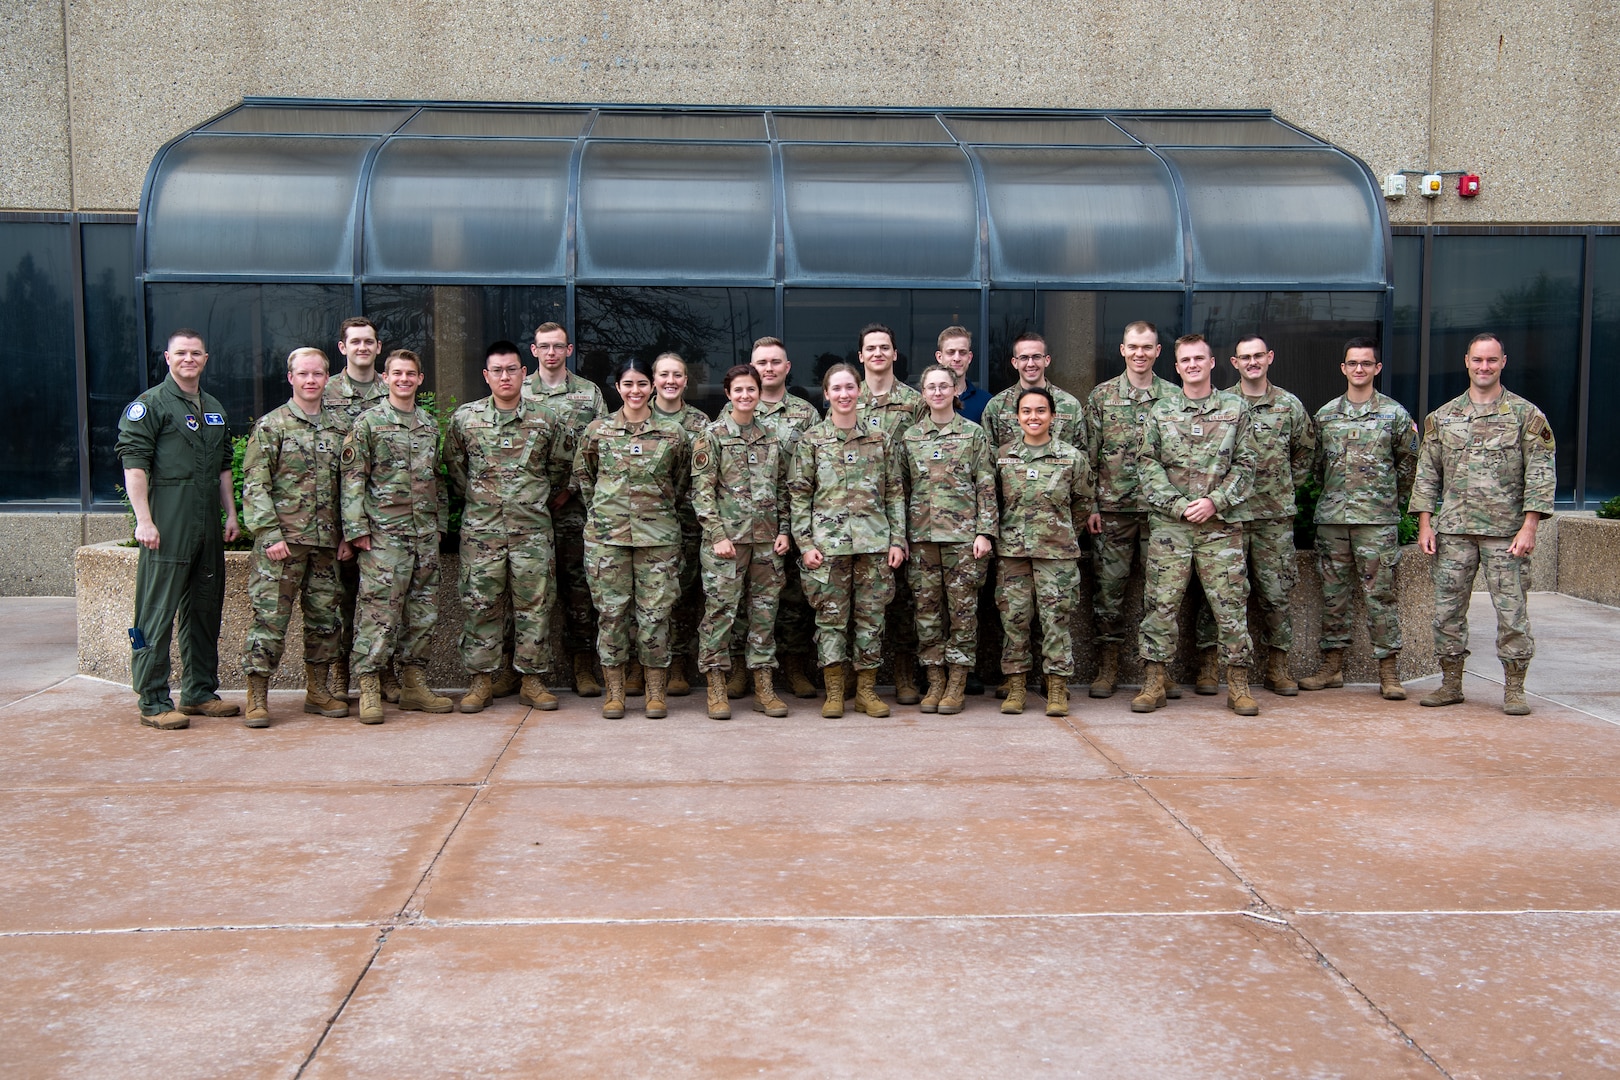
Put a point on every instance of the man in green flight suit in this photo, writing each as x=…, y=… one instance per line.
x=176, y=455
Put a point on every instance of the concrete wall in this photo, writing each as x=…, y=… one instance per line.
x=1589, y=559
x=1525, y=93
x=36, y=550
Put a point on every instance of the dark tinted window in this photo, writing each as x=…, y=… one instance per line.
x=112, y=348
x=39, y=419
x=1603, y=434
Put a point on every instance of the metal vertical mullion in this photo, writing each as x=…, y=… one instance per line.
x=1584, y=367
x=779, y=224
x=80, y=357
x=571, y=229
x=1425, y=320
x=981, y=203
x=362, y=196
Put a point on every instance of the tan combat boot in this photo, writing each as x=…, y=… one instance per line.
x=1449, y=692
x=212, y=707
x=337, y=683
x=1057, y=695
x=533, y=693
x=832, y=676
x=635, y=679
x=936, y=689
x=1208, y=679
x=585, y=684
x=657, y=688
x=1237, y=691
x=416, y=696
x=765, y=699
x=677, y=686
x=737, y=681
x=479, y=694
x=1151, y=696
x=719, y=700
x=389, y=683
x=905, y=680
x=506, y=682
x=173, y=720
x=258, y=710
x=371, y=699
x=1513, y=673
x=317, y=700
x=1329, y=675
x=613, y=702
x=866, y=697
x=955, y=697
x=1278, y=681
x=1013, y=703
x=1107, y=680
x=1389, y=678
x=798, y=679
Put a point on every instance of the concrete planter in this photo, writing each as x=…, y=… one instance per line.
x=105, y=575
x=1589, y=558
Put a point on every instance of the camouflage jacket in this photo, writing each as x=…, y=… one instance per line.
x=1366, y=459
x=1000, y=418
x=1197, y=449
x=573, y=405
x=789, y=418
x=1483, y=467
x=739, y=483
x=506, y=467
x=1116, y=415
x=632, y=477
x=1046, y=496
x=899, y=409
x=845, y=491
x=292, y=480
x=951, y=485
x=347, y=399
x=1285, y=449
x=391, y=476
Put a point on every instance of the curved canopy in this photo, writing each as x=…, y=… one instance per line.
x=287, y=190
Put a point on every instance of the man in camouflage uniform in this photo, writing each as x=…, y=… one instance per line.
x=394, y=513
x=291, y=505
x=886, y=404
x=1285, y=445
x=1196, y=468
x=1030, y=359
x=1366, y=459
x=505, y=456
x=1115, y=417
x=573, y=403
x=348, y=394
x=1486, y=477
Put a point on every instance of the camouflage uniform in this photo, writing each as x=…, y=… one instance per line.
x=848, y=502
x=344, y=400
x=632, y=477
x=688, y=609
x=1191, y=450
x=573, y=405
x=739, y=493
x=1046, y=495
x=1366, y=459
x=952, y=500
x=895, y=412
x=392, y=493
x=1481, y=469
x=506, y=465
x=1285, y=446
x=1116, y=415
x=789, y=418
x=292, y=492
x=1000, y=419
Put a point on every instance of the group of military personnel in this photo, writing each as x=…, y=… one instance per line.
x=343, y=496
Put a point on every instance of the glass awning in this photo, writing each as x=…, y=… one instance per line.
x=394, y=192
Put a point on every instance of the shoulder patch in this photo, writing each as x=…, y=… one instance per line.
x=136, y=410
x=700, y=458
x=1428, y=426
x=348, y=454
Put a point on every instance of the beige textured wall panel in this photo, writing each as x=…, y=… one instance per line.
x=33, y=107
x=1528, y=95
x=143, y=78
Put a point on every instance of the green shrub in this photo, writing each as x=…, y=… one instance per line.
x=1610, y=508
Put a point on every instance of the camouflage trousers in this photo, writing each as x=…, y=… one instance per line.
x=573, y=586
x=1368, y=553
x=1268, y=549
x=849, y=589
x=274, y=589
x=689, y=608
x=634, y=589
x=1215, y=550
x=1112, y=552
x=506, y=575
x=749, y=584
x=1031, y=589
x=945, y=579
x=1456, y=560
x=395, y=611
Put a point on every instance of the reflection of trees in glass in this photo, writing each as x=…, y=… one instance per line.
x=1545, y=301
x=37, y=442
x=110, y=349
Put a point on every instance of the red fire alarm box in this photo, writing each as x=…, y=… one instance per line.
x=1468, y=185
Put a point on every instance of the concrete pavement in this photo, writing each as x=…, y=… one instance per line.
x=1341, y=886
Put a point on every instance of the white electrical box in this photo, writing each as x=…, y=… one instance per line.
x=1432, y=185
x=1395, y=186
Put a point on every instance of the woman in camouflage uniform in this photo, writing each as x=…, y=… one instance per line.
x=1045, y=500
x=739, y=492
x=632, y=471
x=849, y=520
x=951, y=525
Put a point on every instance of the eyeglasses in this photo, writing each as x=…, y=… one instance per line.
x=551, y=348
x=1360, y=363
x=1028, y=356
x=1246, y=357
